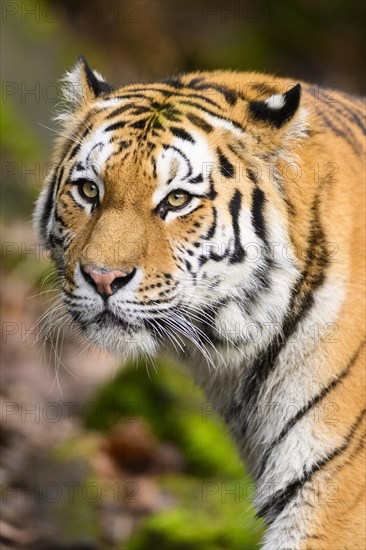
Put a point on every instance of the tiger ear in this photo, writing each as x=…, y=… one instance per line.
x=277, y=109
x=82, y=84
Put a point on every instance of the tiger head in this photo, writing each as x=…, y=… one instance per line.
x=162, y=204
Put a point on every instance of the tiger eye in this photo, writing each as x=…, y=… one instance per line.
x=90, y=190
x=177, y=199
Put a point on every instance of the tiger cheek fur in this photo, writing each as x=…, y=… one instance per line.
x=221, y=215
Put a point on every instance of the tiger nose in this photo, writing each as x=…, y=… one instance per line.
x=107, y=282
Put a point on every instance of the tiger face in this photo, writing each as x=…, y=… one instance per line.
x=160, y=211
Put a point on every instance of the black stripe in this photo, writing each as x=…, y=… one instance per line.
x=115, y=126
x=211, y=231
x=47, y=208
x=252, y=175
x=153, y=162
x=258, y=199
x=200, y=123
x=173, y=115
x=199, y=83
x=142, y=109
x=150, y=146
x=212, y=113
x=283, y=497
x=155, y=124
x=173, y=82
x=201, y=261
x=75, y=148
x=201, y=98
x=123, y=145
x=355, y=99
x=311, y=403
x=359, y=447
x=143, y=91
x=182, y=134
x=129, y=94
x=348, y=132
x=263, y=88
x=350, y=112
x=60, y=175
x=234, y=208
x=352, y=116
x=74, y=151
x=225, y=166
x=139, y=124
x=237, y=149
x=124, y=156
x=198, y=107
x=196, y=179
x=169, y=93
x=342, y=133
x=188, y=265
x=120, y=110
x=58, y=242
x=212, y=194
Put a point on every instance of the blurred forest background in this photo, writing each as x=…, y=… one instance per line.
x=94, y=456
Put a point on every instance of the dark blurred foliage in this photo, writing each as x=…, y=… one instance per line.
x=316, y=40
x=162, y=445
x=313, y=40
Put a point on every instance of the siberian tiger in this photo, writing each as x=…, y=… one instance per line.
x=221, y=215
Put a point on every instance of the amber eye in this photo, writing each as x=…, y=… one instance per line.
x=89, y=190
x=177, y=199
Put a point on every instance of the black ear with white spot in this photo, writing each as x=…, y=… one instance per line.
x=277, y=109
x=83, y=84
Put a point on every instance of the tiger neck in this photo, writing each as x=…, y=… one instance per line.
x=266, y=402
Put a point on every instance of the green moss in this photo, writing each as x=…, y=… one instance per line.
x=132, y=393
x=174, y=409
x=219, y=522
x=207, y=448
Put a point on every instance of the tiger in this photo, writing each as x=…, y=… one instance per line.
x=219, y=216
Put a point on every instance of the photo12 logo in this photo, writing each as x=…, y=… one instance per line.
x=111, y=12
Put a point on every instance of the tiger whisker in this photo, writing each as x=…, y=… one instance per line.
x=67, y=136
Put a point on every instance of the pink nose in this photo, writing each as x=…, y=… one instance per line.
x=102, y=281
